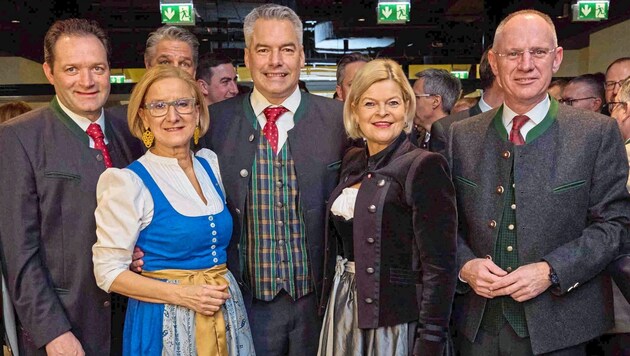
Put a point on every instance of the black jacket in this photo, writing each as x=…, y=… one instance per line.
x=404, y=240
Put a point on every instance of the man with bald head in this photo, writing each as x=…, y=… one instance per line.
x=542, y=204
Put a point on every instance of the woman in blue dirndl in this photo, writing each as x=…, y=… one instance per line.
x=170, y=203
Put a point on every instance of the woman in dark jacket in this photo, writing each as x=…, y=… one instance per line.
x=391, y=229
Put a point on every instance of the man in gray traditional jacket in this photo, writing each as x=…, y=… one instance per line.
x=542, y=205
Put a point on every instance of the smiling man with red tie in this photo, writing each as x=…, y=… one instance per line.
x=51, y=161
x=542, y=206
x=279, y=151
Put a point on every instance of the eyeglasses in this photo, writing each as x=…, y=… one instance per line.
x=571, y=101
x=182, y=106
x=610, y=85
x=613, y=105
x=418, y=96
x=536, y=53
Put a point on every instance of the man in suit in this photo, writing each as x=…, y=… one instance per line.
x=51, y=161
x=279, y=151
x=542, y=205
x=491, y=97
x=436, y=92
x=216, y=76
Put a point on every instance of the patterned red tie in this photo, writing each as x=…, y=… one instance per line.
x=95, y=132
x=515, y=134
x=271, y=130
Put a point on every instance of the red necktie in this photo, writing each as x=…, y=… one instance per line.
x=271, y=130
x=515, y=134
x=95, y=132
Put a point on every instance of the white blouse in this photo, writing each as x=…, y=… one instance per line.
x=344, y=204
x=125, y=207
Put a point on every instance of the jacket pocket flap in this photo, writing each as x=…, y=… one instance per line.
x=334, y=166
x=569, y=186
x=62, y=175
x=466, y=181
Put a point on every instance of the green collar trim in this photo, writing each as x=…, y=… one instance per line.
x=249, y=110
x=549, y=119
x=627, y=141
x=535, y=132
x=68, y=122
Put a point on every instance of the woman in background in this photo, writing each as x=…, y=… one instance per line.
x=392, y=223
x=171, y=204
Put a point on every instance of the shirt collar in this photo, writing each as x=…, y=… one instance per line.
x=83, y=122
x=536, y=114
x=260, y=103
x=483, y=105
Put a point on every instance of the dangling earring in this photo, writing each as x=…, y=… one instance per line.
x=147, y=137
x=196, y=135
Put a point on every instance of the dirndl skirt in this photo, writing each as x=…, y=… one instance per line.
x=340, y=333
x=178, y=332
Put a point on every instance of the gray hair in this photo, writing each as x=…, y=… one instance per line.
x=271, y=12
x=594, y=83
x=347, y=59
x=171, y=33
x=547, y=19
x=441, y=82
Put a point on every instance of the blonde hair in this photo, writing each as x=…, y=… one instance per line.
x=373, y=72
x=153, y=75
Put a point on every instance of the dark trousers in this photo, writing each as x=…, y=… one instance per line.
x=610, y=345
x=507, y=343
x=284, y=326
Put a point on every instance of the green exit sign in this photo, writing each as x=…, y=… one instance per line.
x=461, y=74
x=592, y=10
x=117, y=78
x=177, y=14
x=393, y=12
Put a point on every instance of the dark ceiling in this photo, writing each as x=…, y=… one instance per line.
x=440, y=31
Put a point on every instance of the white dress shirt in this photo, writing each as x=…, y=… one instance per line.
x=84, y=122
x=125, y=207
x=536, y=116
x=285, y=121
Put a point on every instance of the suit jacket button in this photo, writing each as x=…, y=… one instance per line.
x=500, y=190
x=107, y=303
x=372, y=208
x=238, y=211
x=244, y=173
x=506, y=154
x=251, y=138
x=369, y=300
x=370, y=240
x=381, y=183
x=369, y=270
x=492, y=224
x=99, y=157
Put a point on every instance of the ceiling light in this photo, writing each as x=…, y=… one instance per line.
x=361, y=20
x=15, y=21
x=204, y=40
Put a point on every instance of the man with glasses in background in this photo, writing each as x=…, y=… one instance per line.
x=543, y=207
x=616, y=73
x=436, y=92
x=585, y=92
